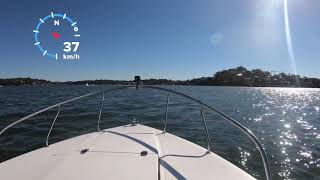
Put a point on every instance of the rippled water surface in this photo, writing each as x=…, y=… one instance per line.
x=286, y=120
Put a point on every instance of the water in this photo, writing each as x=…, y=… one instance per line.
x=286, y=120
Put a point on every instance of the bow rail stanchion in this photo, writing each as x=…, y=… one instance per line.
x=54, y=121
x=205, y=127
x=138, y=83
x=166, y=117
x=101, y=106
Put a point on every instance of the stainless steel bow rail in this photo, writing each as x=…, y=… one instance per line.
x=169, y=91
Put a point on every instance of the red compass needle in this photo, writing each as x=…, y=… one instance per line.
x=55, y=35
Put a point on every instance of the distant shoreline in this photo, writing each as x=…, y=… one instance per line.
x=239, y=76
x=227, y=86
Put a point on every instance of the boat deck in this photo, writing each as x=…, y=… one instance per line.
x=118, y=153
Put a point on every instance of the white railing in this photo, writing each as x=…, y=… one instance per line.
x=169, y=91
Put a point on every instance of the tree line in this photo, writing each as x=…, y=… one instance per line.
x=239, y=76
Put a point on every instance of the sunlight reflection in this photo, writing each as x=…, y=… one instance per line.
x=293, y=112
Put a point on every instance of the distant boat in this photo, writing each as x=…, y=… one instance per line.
x=89, y=84
x=1, y=86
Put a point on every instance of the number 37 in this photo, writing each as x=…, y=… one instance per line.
x=68, y=48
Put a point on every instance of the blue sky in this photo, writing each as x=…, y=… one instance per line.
x=176, y=39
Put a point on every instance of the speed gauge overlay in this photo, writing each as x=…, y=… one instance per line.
x=57, y=37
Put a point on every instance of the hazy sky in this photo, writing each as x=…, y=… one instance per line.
x=176, y=39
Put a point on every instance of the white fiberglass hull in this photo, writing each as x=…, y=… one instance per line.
x=118, y=153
